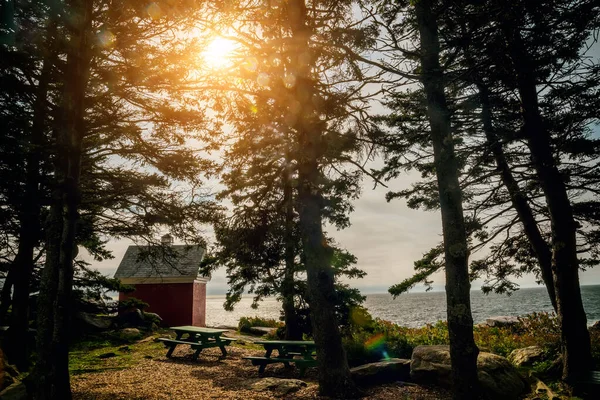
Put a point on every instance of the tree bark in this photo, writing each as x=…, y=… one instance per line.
x=54, y=338
x=18, y=349
x=575, y=337
x=334, y=374
x=517, y=197
x=463, y=351
x=292, y=327
x=6, y=294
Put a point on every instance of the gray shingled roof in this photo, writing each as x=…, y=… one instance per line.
x=155, y=262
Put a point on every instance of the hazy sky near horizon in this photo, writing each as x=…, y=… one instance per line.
x=385, y=237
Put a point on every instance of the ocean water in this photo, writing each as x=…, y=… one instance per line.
x=418, y=309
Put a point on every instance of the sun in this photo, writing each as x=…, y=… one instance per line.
x=218, y=53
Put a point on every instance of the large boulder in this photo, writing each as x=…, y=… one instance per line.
x=130, y=333
x=502, y=322
x=526, y=356
x=385, y=371
x=498, y=377
x=132, y=318
x=431, y=364
x=278, y=385
x=92, y=322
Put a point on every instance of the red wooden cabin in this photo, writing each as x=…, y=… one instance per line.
x=166, y=277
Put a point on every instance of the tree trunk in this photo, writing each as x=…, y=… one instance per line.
x=45, y=303
x=18, y=349
x=463, y=351
x=334, y=374
x=6, y=294
x=55, y=384
x=292, y=327
x=565, y=264
x=517, y=197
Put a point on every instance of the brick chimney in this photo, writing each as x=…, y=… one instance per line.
x=167, y=240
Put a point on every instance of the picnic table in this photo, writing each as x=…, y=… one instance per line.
x=299, y=352
x=198, y=339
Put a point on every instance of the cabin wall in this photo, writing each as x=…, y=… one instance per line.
x=174, y=302
x=199, y=304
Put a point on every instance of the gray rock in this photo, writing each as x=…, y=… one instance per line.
x=431, y=364
x=526, y=356
x=16, y=391
x=94, y=322
x=132, y=318
x=385, y=371
x=151, y=316
x=278, y=385
x=228, y=327
x=130, y=333
x=498, y=377
x=261, y=330
x=504, y=321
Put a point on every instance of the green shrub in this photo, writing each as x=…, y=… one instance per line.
x=537, y=329
x=368, y=339
x=248, y=322
x=130, y=303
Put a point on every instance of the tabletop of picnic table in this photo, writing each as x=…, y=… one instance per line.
x=197, y=329
x=308, y=343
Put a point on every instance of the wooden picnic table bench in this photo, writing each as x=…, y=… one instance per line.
x=287, y=351
x=198, y=339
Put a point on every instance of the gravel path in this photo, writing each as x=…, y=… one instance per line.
x=209, y=378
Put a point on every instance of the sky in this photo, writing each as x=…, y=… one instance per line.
x=385, y=237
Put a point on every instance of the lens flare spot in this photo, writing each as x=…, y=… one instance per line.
x=251, y=64
x=275, y=60
x=153, y=10
x=375, y=342
x=289, y=80
x=106, y=38
x=263, y=79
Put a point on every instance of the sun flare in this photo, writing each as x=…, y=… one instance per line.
x=218, y=53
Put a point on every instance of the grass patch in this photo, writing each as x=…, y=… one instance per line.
x=85, y=356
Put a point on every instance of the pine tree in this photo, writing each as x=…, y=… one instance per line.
x=124, y=126
x=292, y=98
x=503, y=189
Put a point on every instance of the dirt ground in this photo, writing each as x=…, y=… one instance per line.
x=154, y=376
